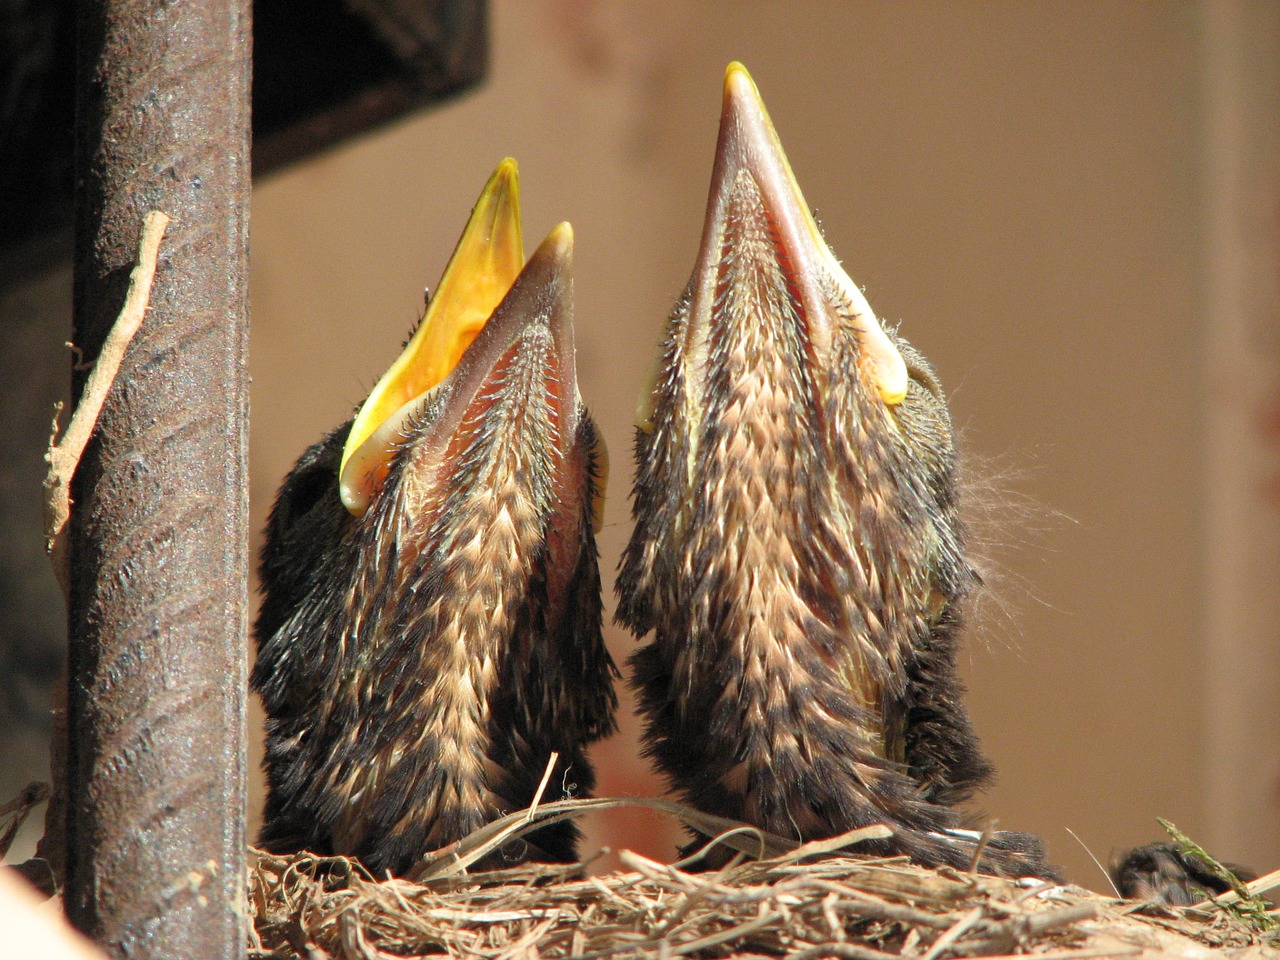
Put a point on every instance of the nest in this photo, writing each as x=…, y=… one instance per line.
x=801, y=902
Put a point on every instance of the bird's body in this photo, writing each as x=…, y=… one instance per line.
x=797, y=551
x=1165, y=875
x=421, y=657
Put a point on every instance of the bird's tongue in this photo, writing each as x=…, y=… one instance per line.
x=484, y=265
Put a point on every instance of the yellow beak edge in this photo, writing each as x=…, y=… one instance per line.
x=483, y=267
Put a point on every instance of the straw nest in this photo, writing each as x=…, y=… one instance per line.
x=775, y=900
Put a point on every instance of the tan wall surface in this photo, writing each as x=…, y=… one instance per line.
x=1017, y=182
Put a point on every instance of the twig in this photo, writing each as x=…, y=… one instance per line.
x=63, y=458
x=32, y=795
x=724, y=936
x=981, y=848
x=456, y=857
x=1081, y=954
x=841, y=951
x=1097, y=862
x=1041, y=922
x=64, y=454
x=18, y=809
x=1268, y=881
x=1253, y=888
x=954, y=933
x=546, y=776
x=816, y=848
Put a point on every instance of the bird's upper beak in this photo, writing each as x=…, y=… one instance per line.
x=758, y=234
x=481, y=271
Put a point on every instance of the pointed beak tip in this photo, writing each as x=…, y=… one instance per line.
x=557, y=249
x=505, y=174
x=738, y=83
x=562, y=236
x=741, y=95
x=503, y=188
x=498, y=211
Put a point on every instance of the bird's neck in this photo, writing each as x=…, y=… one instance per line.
x=435, y=646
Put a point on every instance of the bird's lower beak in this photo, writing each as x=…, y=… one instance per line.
x=481, y=271
x=762, y=254
x=515, y=387
x=506, y=425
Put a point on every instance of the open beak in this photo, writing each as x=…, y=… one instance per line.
x=507, y=426
x=514, y=394
x=762, y=251
x=483, y=267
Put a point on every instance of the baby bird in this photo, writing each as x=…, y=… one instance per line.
x=430, y=631
x=798, y=552
x=1165, y=875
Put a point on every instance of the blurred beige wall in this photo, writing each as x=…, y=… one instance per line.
x=1019, y=183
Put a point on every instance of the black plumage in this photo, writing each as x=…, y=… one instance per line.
x=1166, y=875
x=421, y=655
x=798, y=552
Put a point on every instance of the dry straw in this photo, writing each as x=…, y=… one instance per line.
x=776, y=899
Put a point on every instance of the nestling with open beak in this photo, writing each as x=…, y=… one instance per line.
x=430, y=625
x=797, y=550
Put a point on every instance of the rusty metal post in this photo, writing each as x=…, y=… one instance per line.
x=158, y=606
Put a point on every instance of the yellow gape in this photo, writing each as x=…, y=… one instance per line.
x=483, y=267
